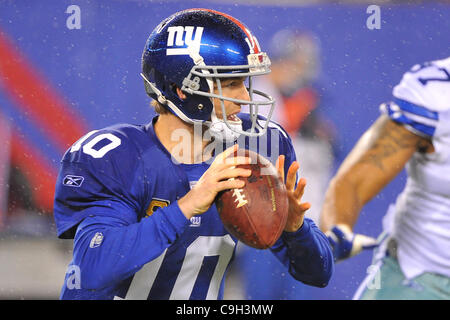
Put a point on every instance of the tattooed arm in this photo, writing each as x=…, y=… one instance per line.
x=377, y=158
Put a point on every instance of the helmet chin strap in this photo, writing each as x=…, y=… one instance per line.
x=221, y=132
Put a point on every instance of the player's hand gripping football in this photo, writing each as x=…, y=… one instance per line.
x=346, y=244
x=297, y=208
x=214, y=180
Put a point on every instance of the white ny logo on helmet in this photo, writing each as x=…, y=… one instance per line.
x=191, y=39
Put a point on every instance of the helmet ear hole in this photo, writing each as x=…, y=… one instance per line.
x=198, y=105
x=177, y=91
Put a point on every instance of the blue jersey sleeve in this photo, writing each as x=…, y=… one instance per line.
x=108, y=250
x=307, y=254
x=99, y=175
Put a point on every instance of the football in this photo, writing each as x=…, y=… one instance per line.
x=257, y=213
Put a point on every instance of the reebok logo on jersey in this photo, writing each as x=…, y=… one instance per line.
x=73, y=181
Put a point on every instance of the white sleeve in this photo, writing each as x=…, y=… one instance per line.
x=420, y=97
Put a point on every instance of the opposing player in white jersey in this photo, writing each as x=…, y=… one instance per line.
x=412, y=260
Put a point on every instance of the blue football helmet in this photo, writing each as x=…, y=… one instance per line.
x=191, y=50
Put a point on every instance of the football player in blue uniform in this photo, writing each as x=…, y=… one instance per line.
x=139, y=199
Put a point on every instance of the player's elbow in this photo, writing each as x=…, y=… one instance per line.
x=322, y=280
x=319, y=283
x=91, y=279
x=323, y=277
x=319, y=275
x=95, y=272
x=78, y=276
x=316, y=280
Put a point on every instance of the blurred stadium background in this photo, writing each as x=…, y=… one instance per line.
x=56, y=84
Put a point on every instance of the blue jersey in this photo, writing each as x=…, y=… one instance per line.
x=116, y=195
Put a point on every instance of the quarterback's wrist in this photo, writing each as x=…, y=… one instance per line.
x=301, y=232
x=186, y=209
x=294, y=228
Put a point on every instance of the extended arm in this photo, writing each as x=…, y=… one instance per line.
x=379, y=155
x=302, y=248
